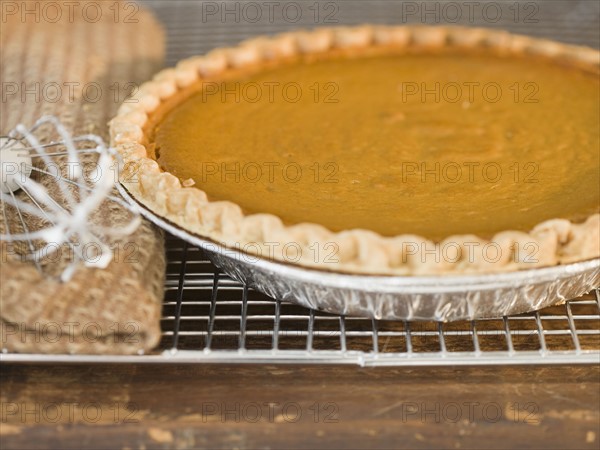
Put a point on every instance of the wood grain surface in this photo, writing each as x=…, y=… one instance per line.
x=218, y=406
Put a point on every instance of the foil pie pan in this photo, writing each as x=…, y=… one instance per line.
x=439, y=298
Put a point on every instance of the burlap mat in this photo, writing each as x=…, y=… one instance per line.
x=79, y=68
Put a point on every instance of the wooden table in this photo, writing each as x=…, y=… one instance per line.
x=246, y=406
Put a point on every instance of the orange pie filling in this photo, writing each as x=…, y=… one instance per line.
x=433, y=145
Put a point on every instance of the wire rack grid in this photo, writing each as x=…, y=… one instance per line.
x=212, y=318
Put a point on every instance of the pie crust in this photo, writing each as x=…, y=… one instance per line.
x=557, y=241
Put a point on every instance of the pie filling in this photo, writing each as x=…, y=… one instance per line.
x=433, y=145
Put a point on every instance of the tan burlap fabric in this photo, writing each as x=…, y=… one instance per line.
x=79, y=68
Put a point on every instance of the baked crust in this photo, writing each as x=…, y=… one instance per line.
x=552, y=242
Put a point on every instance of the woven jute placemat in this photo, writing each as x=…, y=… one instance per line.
x=78, y=61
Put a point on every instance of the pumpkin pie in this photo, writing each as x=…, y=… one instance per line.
x=376, y=149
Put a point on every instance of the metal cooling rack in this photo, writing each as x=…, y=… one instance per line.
x=208, y=317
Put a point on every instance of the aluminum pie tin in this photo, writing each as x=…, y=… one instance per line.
x=415, y=298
